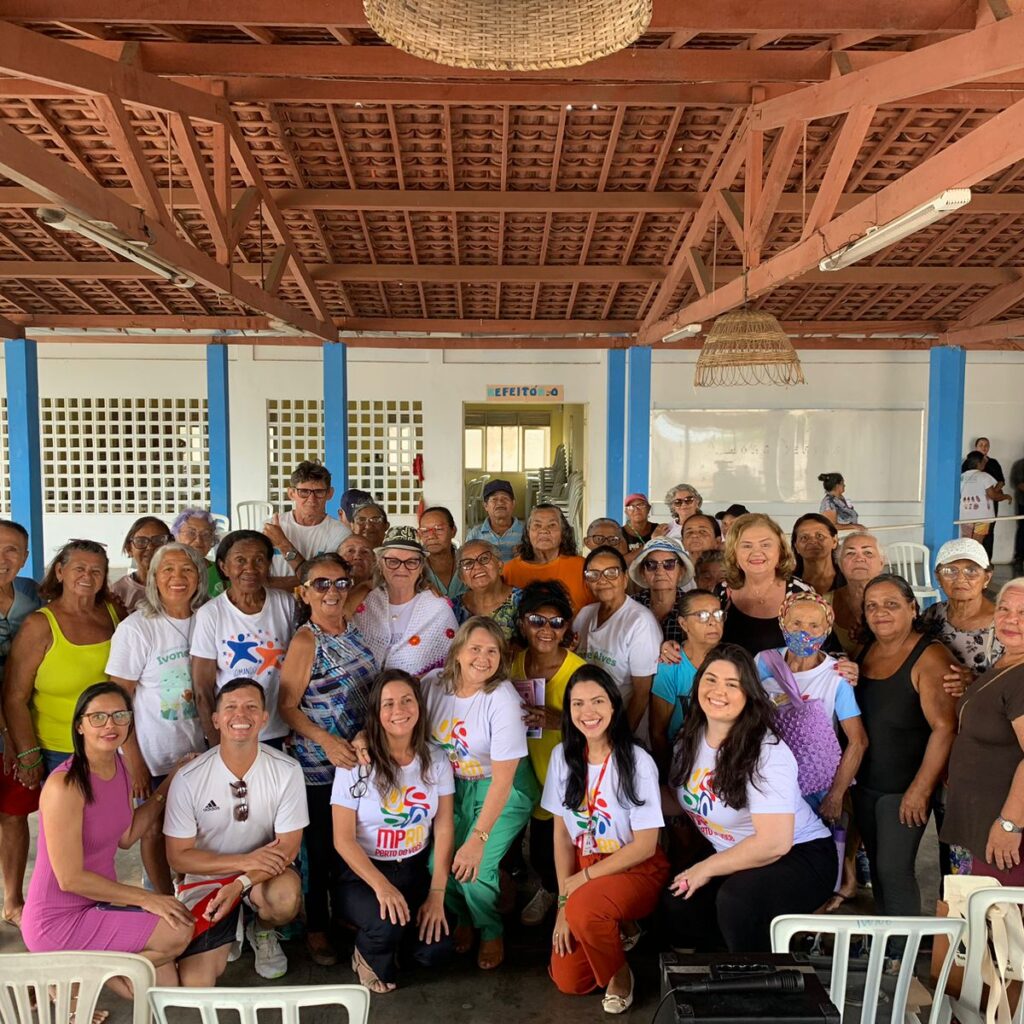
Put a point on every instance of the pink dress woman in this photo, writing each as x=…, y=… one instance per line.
x=54, y=920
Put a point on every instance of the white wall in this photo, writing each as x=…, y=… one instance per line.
x=445, y=380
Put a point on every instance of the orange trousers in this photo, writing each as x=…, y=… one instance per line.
x=594, y=912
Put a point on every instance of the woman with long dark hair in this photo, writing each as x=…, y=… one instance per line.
x=603, y=792
x=145, y=536
x=324, y=699
x=768, y=853
x=815, y=539
x=74, y=899
x=386, y=811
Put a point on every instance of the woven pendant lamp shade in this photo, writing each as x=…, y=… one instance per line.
x=509, y=35
x=745, y=346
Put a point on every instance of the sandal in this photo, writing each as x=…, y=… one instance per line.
x=619, y=1004
x=491, y=954
x=463, y=938
x=98, y=1016
x=12, y=917
x=630, y=939
x=367, y=976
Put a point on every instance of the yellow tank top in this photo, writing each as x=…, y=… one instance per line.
x=65, y=671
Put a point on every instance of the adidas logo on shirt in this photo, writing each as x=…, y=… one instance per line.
x=211, y=806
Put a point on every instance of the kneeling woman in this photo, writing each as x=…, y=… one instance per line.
x=384, y=813
x=769, y=853
x=74, y=899
x=603, y=792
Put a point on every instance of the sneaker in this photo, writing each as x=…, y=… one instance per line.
x=537, y=909
x=270, y=959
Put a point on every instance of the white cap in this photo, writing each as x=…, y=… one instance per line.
x=963, y=548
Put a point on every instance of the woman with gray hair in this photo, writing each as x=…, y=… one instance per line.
x=197, y=527
x=479, y=565
x=149, y=657
x=682, y=500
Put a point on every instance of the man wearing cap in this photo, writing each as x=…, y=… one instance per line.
x=637, y=528
x=500, y=528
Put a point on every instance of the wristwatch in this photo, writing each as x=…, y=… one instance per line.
x=246, y=883
x=290, y=556
x=1008, y=826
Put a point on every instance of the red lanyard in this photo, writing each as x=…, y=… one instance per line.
x=592, y=803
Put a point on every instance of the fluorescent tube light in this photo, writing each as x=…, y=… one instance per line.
x=689, y=331
x=105, y=235
x=878, y=238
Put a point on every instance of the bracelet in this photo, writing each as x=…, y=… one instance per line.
x=586, y=874
x=484, y=836
x=31, y=750
x=443, y=889
x=158, y=797
x=30, y=767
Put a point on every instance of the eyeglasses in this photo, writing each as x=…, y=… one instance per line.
x=322, y=584
x=359, y=788
x=952, y=572
x=402, y=563
x=653, y=564
x=704, y=617
x=613, y=572
x=142, y=543
x=368, y=520
x=637, y=504
x=189, y=533
x=98, y=719
x=432, y=531
x=305, y=493
x=607, y=538
x=465, y=564
x=239, y=790
x=684, y=501
x=540, y=621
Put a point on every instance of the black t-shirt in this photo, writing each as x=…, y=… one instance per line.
x=991, y=467
x=635, y=540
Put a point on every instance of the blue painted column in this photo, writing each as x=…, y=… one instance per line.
x=615, y=449
x=218, y=419
x=638, y=452
x=947, y=373
x=24, y=461
x=336, y=416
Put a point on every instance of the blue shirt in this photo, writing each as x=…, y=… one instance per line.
x=674, y=684
x=454, y=588
x=507, y=543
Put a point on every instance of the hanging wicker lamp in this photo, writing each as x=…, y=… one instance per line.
x=509, y=35
x=747, y=346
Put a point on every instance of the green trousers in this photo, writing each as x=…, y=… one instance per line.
x=476, y=902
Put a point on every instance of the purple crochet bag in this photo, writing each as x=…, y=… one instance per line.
x=806, y=729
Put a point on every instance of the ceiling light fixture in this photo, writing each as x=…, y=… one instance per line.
x=689, y=331
x=105, y=234
x=878, y=238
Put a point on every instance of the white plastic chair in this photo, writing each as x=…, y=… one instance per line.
x=27, y=979
x=247, y=1003
x=879, y=930
x=251, y=515
x=968, y=1009
x=223, y=523
x=903, y=558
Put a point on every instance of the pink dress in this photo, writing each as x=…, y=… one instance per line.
x=55, y=920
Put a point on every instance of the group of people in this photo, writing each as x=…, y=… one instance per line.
x=371, y=725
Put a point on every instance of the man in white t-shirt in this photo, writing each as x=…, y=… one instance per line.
x=233, y=827
x=307, y=530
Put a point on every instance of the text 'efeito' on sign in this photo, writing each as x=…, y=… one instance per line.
x=525, y=392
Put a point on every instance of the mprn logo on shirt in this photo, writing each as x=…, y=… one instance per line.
x=211, y=806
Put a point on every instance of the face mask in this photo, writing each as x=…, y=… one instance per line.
x=802, y=644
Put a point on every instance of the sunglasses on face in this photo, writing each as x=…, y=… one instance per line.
x=239, y=790
x=653, y=564
x=705, y=616
x=465, y=564
x=684, y=501
x=142, y=543
x=98, y=719
x=402, y=563
x=540, y=621
x=322, y=584
x=613, y=572
x=305, y=493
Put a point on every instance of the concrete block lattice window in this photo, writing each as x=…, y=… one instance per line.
x=5, y=473
x=124, y=455
x=384, y=437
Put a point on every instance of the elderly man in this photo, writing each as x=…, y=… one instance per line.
x=307, y=529
x=233, y=827
x=500, y=528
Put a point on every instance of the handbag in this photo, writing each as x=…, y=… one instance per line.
x=806, y=728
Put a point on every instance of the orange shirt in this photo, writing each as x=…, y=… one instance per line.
x=567, y=569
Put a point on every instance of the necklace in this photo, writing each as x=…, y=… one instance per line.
x=186, y=636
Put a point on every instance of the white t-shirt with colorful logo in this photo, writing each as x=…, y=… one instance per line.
x=776, y=791
x=474, y=731
x=613, y=822
x=252, y=646
x=399, y=825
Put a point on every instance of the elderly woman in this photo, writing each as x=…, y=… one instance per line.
x=197, y=528
x=984, y=822
x=144, y=536
x=59, y=651
x=709, y=569
x=244, y=632
x=910, y=724
x=964, y=621
x=325, y=684
x=149, y=659
x=619, y=634
x=700, y=533
x=548, y=552
x=815, y=539
x=479, y=564
x=662, y=574
x=758, y=575
x=370, y=520
x=682, y=500
x=404, y=623
x=834, y=505
x=637, y=528
x=860, y=561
